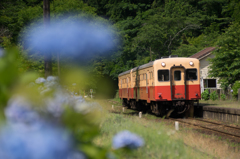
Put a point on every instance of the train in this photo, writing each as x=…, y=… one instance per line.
x=163, y=86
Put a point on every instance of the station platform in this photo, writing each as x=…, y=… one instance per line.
x=231, y=115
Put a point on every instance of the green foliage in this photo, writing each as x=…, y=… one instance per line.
x=234, y=9
x=164, y=27
x=213, y=95
x=226, y=62
x=223, y=96
x=185, y=50
x=6, y=42
x=204, y=40
x=84, y=129
x=205, y=95
x=9, y=74
x=82, y=125
x=235, y=88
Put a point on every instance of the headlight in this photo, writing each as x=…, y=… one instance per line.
x=163, y=64
x=191, y=63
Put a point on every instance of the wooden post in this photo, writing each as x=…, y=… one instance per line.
x=176, y=125
x=47, y=55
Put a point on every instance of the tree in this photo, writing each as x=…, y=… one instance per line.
x=226, y=63
x=47, y=57
x=162, y=34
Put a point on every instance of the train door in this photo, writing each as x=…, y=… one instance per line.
x=178, y=83
x=147, y=84
x=127, y=86
x=121, y=89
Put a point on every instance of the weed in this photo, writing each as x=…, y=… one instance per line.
x=205, y=95
x=213, y=95
x=223, y=96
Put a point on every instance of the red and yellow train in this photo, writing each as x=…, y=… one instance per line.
x=162, y=85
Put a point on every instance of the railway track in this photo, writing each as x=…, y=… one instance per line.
x=227, y=130
x=212, y=126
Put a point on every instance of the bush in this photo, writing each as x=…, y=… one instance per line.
x=235, y=88
x=213, y=95
x=223, y=96
x=205, y=95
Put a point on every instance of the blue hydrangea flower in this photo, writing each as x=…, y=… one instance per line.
x=56, y=105
x=28, y=136
x=126, y=139
x=79, y=99
x=19, y=110
x=52, y=78
x=40, y=80
x=70, y=38
x=46, y=142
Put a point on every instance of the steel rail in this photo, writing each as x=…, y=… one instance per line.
x=207, y=128
x=216, y=123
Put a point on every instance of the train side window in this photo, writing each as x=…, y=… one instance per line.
x=177, y=75
x=163, y=75
x=191, y=74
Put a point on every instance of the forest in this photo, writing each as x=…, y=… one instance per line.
x=144, y=31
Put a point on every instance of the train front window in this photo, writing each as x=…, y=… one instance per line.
x=191, y=74
x=177, y=75
x=163, y=75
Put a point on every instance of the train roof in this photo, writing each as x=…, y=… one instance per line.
x=150, y=64
x=137, y=68
x=123, y=73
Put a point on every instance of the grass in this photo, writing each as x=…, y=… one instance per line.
x=221, y=103
x=159, y=139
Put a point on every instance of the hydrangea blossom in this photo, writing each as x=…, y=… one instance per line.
x=52, y=78
x=29, y=136
x=126, y=139
x=48, y=84
x=47, y=141
x=51, y=82
x=19, y=111
x=56, y=105
x=40, y=80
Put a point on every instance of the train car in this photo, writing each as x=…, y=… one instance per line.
x=163, y=85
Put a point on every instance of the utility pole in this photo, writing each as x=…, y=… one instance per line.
x=47, y=55
x=150, y=54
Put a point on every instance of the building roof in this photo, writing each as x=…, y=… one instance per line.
x=203, y=52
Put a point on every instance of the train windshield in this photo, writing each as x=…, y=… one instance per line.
x=177, y=75
x=191, y=74
x=163, y=75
